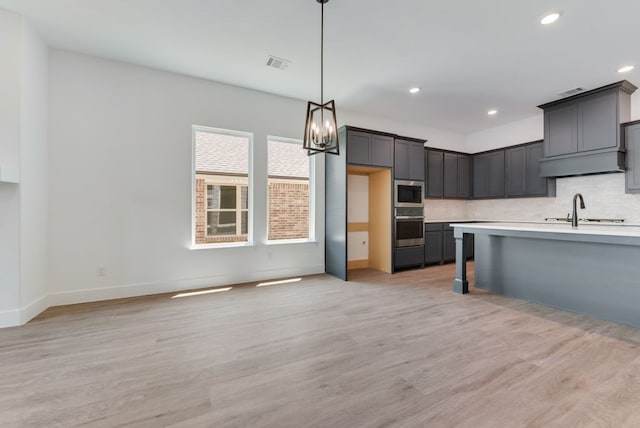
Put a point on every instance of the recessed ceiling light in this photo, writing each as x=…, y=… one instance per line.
x=550, y=18
x=414, y=90
x=492, y=112
x=626, y=69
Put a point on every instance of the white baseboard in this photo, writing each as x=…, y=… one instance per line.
x=28, y=312
x=159, y=287
x=23, y=315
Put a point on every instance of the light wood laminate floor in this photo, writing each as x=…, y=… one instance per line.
x=379, y=351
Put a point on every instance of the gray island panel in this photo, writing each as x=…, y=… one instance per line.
x=593, y=270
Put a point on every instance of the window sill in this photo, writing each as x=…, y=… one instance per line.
x=221, y=245
x=293, y=242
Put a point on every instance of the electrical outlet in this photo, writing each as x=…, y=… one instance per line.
x=101, y=271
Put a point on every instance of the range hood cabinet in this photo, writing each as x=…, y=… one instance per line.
x=582, y=133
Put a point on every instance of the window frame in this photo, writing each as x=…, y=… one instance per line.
x=250, y=186
x=312, y=194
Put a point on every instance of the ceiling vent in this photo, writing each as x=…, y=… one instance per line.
x=279, y=63
x=571, y=92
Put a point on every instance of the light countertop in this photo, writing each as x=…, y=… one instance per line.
x=613, y=230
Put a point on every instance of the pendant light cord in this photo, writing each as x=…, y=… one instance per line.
x=322, y=54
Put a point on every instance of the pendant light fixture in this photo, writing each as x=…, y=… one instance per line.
x=321, y=130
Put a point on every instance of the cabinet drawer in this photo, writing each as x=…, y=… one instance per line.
x=433, y=227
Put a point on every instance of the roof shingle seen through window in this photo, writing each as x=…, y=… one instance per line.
x=221, y=153
x=287, y=160
x=228, y=154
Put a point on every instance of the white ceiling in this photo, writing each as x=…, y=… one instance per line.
x=467, y=55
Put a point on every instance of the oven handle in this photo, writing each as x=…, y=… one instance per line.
x=409, y=217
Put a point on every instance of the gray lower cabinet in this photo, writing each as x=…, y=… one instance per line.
x=408, y=256
x=367, y=148
x=488, y=175
x=448, y=246
x=409, y=160
x=440, y=245
x=632, y=141
x=433, y=243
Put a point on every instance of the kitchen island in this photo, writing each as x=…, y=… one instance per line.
x=594, y=270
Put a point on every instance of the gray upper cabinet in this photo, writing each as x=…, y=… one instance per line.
x=632, y=140
x=434, y=174
x=381, y=150
x=536, y=185
x=366, y=148
x=448, y=175
x=450, y=185
x=560, y=130
x=582, y=132
x=409, y=160
x=597, y=123
x=488, y=175
x=515, y=171
x=522, y=172
x=464, y=176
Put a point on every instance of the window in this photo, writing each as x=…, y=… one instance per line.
x=227, y=210
x=221, y=188
x=289, y=190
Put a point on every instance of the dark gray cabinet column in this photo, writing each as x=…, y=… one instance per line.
x=460, y=283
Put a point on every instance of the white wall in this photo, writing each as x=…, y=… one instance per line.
x=358, y=212
x=34, y=173
x=120, y=179
x=521, y=131
x=10, y=25
x=10, y=28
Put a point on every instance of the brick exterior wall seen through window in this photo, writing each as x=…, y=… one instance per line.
x=201, y=219
x=288, y=212
x=288, y=209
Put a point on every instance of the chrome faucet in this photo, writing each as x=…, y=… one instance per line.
x=574, y=219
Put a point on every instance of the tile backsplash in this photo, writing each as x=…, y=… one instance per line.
x=604, y=197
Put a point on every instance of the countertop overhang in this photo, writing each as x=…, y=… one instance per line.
x=618, y=235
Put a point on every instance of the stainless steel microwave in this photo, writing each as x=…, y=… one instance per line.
x=409, y=193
